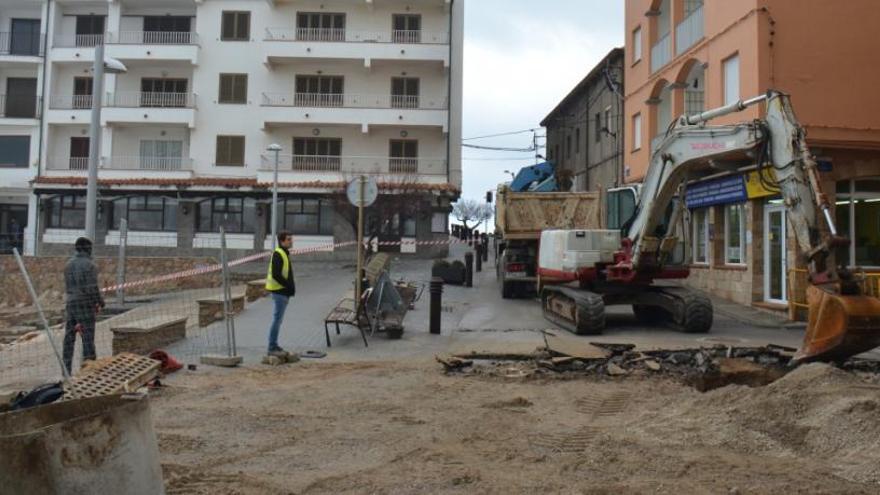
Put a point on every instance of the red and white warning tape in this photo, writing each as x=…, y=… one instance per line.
x=202, y=270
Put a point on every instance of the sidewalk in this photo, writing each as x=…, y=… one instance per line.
x=752, y=316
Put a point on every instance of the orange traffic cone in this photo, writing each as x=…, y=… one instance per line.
x=169, y=364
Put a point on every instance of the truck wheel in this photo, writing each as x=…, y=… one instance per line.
x=696, y=316
x=506, y=290
x=650, y=315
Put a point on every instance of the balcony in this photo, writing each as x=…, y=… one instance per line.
x=135, y=107
x=661, y=53
x=182, y=46
x=20, y=107
x=155, y=38
x=346, y=165
x=689, y=31
x=124, y=163
x=79, y=40
x=288, y=44
x=355, y=109
x=21, y=45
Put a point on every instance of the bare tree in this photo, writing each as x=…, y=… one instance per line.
x=471, y=210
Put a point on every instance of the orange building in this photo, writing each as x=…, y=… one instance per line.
x=683, y=56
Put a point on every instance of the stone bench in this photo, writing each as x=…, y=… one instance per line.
x=256, y=289
x=211, y=308
x=147, y=335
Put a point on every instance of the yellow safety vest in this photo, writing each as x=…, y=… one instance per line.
x=271, y=283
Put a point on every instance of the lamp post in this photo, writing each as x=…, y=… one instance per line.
x=101, y=66
x=275, y=148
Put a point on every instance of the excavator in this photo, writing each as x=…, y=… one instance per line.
x=628, y=266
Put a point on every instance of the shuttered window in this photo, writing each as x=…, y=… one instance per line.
x=233, y=88
x=230, y=151
x=236, y=26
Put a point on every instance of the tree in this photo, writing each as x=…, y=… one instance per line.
x=472, y=210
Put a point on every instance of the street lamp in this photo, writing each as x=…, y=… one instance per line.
x=275, y=148
x=101, y=66
x=512, y=176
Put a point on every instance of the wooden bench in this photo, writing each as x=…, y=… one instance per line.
x=211, y=308
x=256, y=289
x=149, y=334
x=346, y=312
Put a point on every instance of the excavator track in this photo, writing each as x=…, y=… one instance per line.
x=578, y=311
x=686, y=310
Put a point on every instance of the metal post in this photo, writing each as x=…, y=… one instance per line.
x=360, y=240
x=275, y=203
x=43, y=320
x=120, y=261
x=227, y=308
x=478, y=248
x=95, y=142
x=436, y=304
x=469, y=269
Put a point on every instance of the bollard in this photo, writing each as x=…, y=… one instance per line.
x=485, y=246
x=469, y=269
x=479, y=254
x=436, y=300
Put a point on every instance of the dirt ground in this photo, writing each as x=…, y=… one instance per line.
x=406, y=427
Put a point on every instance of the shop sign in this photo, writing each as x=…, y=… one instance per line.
x=726, y=190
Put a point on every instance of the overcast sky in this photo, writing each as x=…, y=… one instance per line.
x=521, y=57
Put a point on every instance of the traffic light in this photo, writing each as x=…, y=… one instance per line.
x=488, y=196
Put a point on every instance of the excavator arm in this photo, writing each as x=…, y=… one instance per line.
x=842, y=321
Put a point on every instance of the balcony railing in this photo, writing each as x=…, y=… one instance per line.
x=159, y=163
x=70, y=102
x=661, y=53
x=133, y=163
x=79, y=40
x=355, y=164
x=351, y=36
x=24, y=44
x=689, y=31
x=336, y=100
x=139, y=99
x=694, y=102
x=20, y=107
x=155, y=38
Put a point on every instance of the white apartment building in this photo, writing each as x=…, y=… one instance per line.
x=346, y=87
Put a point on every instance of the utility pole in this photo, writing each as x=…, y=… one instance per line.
x=94, y=142
x=275, y=148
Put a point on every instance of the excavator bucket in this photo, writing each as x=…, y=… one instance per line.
x=839, y=326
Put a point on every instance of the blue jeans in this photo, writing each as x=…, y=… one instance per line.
x=280, y=305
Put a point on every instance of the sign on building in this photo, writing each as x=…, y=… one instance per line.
x=716, y=192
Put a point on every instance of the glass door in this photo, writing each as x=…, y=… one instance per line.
x=25, y=37
x=775, y=262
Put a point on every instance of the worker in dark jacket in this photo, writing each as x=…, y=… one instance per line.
x=84, y=301
x=279, y=281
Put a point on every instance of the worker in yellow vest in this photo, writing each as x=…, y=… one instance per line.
x=280, y=283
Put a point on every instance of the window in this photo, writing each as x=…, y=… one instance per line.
x=67, y=212
x=404, y=92
x=316, y=154
x=15, y=151
x=621, y=206
x=235, y=215
x=230, y=151
x=637, y=44
x=146, y=213
x=607, y=127
x=701, y=235
x=637, y=131
x=577, y=140
x=233, y=88
x=161, y=155
x=319, y=91
x=568, y=146
x=731, y=79
x=404, y=155
x=304, y=216
x=597, y=126
x=89, y=30
x=79, y=153
x=734, y=234
x=320, y=26
x=857, y=213
x=439, y=222
x=236, y=26
x=407, y=28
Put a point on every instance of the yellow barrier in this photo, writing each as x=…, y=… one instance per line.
x=798, y=299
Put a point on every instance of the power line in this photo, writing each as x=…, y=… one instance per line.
x=498, y=148
x=511, y=133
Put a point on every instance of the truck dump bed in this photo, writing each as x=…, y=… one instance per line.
x=523, y=215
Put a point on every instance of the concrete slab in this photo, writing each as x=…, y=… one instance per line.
x=222, y=361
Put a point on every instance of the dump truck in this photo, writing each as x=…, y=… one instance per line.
x=627, y=266
x=521, y=216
